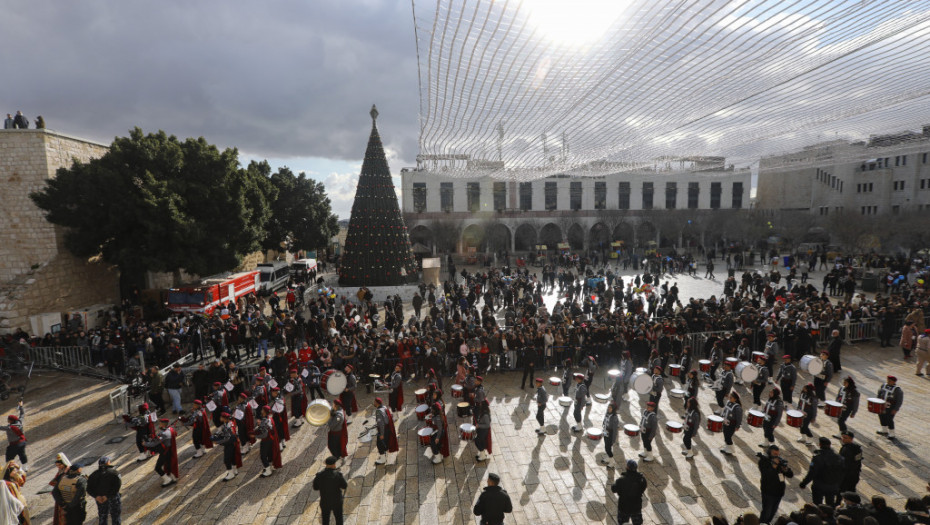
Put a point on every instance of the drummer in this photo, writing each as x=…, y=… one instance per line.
x=787, y=377
x=338, y=436
x=396, y=395
x=479, y=396
x=762, y=379
x=439, y=439
x=692, y=423
x=616, y=390
x=657, y=385
x=483, y=430
x=298, y=397
x=724, y=385
x=433, y=383
x=732, y=415
x=894, y=398
x=822, y=379
x=626, y=372
x=648, y=427
x=716, y=354
x=566, y=377
x=771, y=351
x=848, y=396
x=437, y=398
x=610, y=426
x=808, y=405
x=387, y=434
x=589, y=374
x=692, y=385
x=314, y=377
x=581, y=394
x=349, y=404
x=773, y=411
x=685, y=363
x=542, y=398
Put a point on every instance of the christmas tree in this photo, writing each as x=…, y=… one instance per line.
x=377, y=251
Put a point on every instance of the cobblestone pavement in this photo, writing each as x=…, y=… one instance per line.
x=555, y=478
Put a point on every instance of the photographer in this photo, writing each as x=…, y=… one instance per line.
x=773, y=470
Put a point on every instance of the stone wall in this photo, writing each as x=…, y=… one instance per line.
x=37, y=274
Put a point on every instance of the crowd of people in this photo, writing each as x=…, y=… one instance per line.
x=497, y=320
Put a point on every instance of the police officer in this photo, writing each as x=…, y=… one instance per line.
x=493, y=502
x=826, y=471
x=331, y=484
x=851, y=453
x=103, y=485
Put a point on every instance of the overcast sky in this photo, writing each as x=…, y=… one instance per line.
x=287, y=81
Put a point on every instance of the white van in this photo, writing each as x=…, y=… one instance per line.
x=303, y=269
x=272, y=276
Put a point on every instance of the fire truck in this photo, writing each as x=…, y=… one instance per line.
x=211, y=293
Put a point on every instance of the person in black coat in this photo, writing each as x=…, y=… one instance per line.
x=104, y=485
x=826, y=472
x=331, y=484
x=773, y=471
x=629, y=488
x=493, y=502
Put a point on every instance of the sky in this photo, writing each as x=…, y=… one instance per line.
x=287, y=81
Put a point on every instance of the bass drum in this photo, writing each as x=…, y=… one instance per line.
x=318, y=412
x=641, y=382
x=747, y=372
x=334, y=382
x=812, y=364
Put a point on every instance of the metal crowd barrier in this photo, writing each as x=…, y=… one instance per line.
x=119, y=402
x=76, y=358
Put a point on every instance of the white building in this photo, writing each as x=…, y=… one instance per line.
x=887, y=174
x=586, y=212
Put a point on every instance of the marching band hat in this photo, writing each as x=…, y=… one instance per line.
x=293, y=370
x=224, y=414
x=578, y=376
x=198, y=402
x=163, y=420
x=144, y=406
x=243, y=395
x=651, y=404
x=786, y=356
x=266, y=407
x=275, y=389
x=12, y=417
x=657, y=367
x=217, y=383
x=337, y=402
x=479, y=378
x=259, y=377
x=892, y=378
x=379, y=400
x=539, y=380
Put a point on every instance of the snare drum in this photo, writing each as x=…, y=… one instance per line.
x=423, y=434
x=675, y=370
x=704, y=364
x=613, y=374
x=795, y=418
x=555, y=381
x=463, y=409
x=594, y=434
x=812, y=364
x=755, y=418
x=756, y=356
x=674, y=427
x=747, y=372
x=733, y=361
x=833, y=408
x=467, y=431
x=457, y=390
x=876, y=405
x=422, y=410
x=631, y=430
x=429, y=421
x=677, y=392
x=420, y=395
x=601, y=398
x=715, y=423
x=565, y=401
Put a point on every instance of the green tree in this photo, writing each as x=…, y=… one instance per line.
x=301, y=216
x=155, y=203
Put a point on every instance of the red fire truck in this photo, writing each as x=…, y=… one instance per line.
x=211, y=293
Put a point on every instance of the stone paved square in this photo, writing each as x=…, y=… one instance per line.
x=551, y=479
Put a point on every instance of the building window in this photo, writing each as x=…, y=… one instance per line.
x=869, y=210
x=899, y=185
x=526, y=196
x=624, y=201
x=923, y=158
x=671, y=195
x=923, y=183
x=419, y=197
x=647, y=195
x=694, y=191
x=473, y=192
x=552, y=196
x=737, y=195
x=500, y=195
x=574, y=196
x=715, y=195
x=904, y=160
x=446, y=194
x=600, y=195
x=895, y=209
x=886, y=162
x=897, y=161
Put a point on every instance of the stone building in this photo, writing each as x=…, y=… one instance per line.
x=37, y=273
x=586, y=213
x=886, y=174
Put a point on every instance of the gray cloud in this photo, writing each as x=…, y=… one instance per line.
x=273, y=78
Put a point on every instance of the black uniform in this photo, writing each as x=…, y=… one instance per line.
x=330, y=482
x=773, y=472
x=629, y=488
x=787, y=377
x=492, y=504
x=852, y=461
x=826, y=472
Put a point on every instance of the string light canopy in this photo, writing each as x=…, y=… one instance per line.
x=522, y=89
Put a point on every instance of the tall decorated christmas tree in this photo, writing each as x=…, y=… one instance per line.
x=377, y=250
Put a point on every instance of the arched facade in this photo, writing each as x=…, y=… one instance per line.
x=575, y=237
x=599, y=237
x=550, y=235
x=525, y=238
